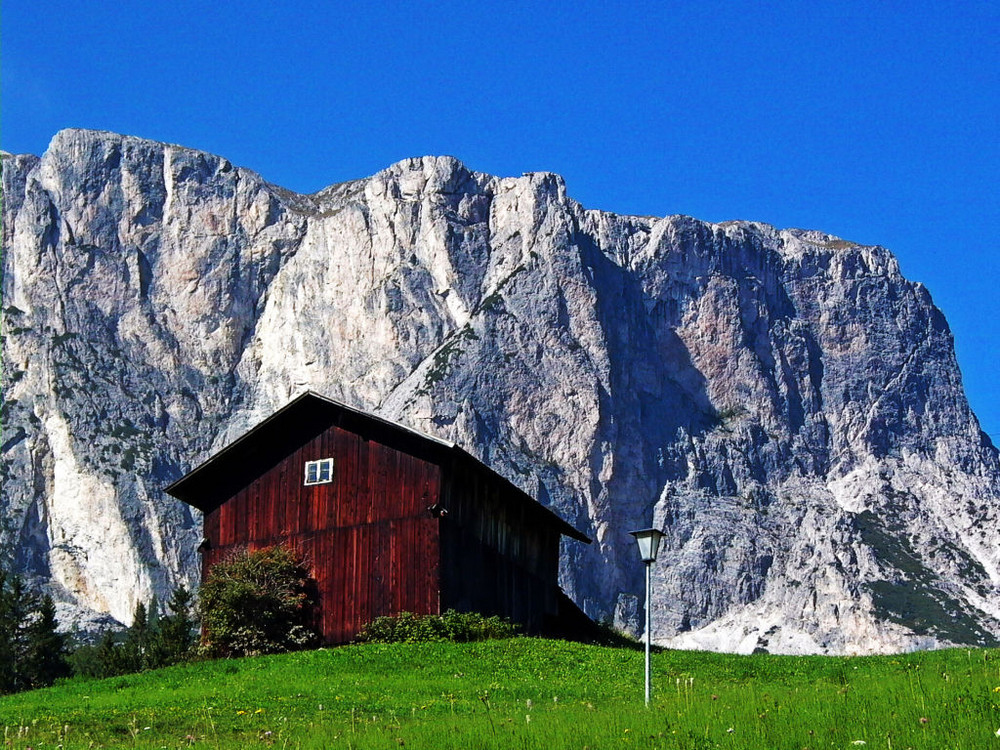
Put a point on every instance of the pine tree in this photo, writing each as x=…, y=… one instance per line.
x=108, y=659
x=32, y=653
x=16, y=606
x=176, y=635
x=8, y=625
x=45, y=658
x=133, y=654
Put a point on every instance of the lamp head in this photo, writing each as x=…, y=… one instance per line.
x=649, y=543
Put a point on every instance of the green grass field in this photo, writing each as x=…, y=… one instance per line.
x=525, y=693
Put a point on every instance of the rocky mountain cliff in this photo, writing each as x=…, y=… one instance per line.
x=782, y=402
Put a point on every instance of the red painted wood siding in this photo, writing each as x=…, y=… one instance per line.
x=373, y=546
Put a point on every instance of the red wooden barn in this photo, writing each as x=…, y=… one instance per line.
x=390, y=519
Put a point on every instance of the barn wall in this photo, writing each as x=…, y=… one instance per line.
x=499, y=554
x=373, y=546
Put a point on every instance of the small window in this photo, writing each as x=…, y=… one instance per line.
x=319, y=472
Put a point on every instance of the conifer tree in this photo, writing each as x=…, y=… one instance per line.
x=108, y=661
x=176, y=635
x=16, y=606
x=133, y=654
x=45, y=660
x=8, y=625
x=32, y=653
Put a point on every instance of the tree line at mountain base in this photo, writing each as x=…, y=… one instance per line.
x=252, y=603
x=153, y=640
x=34, y=653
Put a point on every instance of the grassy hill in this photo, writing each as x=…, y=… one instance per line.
x=524, y=693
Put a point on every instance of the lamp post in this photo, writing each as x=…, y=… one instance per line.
x=649, y=545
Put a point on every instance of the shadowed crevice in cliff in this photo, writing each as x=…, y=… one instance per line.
x=31, y=555
x=657, y=396
x=654, y=379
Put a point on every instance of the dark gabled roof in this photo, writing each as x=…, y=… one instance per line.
x=303, y=418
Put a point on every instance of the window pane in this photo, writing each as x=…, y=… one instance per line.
x=325, y=470
x=312, y=472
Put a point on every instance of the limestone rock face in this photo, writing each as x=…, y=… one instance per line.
x=782, y=402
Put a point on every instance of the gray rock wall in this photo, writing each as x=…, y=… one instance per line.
x=784, y=403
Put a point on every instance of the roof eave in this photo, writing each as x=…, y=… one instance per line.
x=565, y=528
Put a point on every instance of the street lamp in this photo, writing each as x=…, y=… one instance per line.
x=649, y=545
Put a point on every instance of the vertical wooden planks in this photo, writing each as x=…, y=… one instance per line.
x=374, y=547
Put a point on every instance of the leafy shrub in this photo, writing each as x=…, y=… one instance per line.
x=460, y=627
x=260, y=602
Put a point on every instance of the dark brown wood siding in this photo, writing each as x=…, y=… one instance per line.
x=499, y=555
x=373, y=546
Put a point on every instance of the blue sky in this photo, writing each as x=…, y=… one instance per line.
x=877, y=122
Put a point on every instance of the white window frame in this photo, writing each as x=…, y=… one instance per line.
x=323, y=473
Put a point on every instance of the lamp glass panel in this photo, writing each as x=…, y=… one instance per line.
x=649, y=543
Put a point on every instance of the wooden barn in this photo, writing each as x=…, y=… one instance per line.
x=390, y=519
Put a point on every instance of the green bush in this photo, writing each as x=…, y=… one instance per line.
x=459, y=627
x=260, y=602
